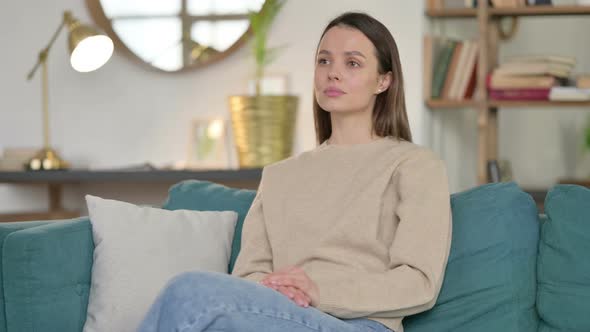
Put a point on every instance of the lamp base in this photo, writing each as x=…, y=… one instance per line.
x=46, y=159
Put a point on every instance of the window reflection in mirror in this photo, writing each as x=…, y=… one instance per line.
x=173, y=35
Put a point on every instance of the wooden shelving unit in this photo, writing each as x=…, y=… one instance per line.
x=523, y=11
x=488, y=39
x=451, y=13
x=541, y=11
x=533, y=103
x=442, y=103
x=436, y=104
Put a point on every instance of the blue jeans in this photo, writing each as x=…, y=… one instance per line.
x=208, y=301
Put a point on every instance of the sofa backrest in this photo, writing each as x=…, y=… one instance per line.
x=208, y=196
x=490, y=281
x=491, y=277
x=563, y=271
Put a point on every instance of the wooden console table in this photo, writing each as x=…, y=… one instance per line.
x=539, y=195
x=243, y=178
x=579, y=182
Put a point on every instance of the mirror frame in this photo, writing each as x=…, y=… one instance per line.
x=100, y=19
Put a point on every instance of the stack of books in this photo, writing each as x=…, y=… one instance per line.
x=529, y=77
x=449, y=68
x=456, y=4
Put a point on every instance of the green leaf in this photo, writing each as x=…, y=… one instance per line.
x=260, y=23
x=273, y=53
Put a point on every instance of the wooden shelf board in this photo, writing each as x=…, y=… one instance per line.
x=455, y=12
x=519, y=11
x=39, y=216
x=535, y=103
x=441, y=103
x=579, y=182
x=152, y=176
x=541, y=11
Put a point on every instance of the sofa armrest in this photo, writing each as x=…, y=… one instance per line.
x=5, y=230
x=47, y=273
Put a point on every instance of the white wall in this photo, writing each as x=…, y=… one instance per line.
x=124, y=114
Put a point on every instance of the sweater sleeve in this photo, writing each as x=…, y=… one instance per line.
x=255, y=258
x=418, y=253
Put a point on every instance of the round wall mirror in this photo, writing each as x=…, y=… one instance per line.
x=175, y=35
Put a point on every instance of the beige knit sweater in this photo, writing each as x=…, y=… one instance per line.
x=369, y=223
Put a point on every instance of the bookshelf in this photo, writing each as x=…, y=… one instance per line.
x=521, y=11
x=488, y=39
x=437, y=104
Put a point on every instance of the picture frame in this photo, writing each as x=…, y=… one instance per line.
x=208, y=143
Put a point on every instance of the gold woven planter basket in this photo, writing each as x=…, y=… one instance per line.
x=263, y=128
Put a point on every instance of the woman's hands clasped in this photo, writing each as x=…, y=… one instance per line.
x=294, y=283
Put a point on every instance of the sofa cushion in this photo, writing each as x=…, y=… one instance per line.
x=138, y=249
x=208, y=196
x=564, y=267
x=489, y=282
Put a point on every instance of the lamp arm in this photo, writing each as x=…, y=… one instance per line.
x=44, y=52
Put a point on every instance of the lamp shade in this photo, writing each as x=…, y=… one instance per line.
x=89, y=49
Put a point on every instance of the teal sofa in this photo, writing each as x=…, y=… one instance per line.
x=509, y=269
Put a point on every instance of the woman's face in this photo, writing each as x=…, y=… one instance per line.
x=346, y=72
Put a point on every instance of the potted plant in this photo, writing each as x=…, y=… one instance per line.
x=263, y=125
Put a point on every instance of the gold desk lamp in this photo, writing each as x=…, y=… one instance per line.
x=89, y=50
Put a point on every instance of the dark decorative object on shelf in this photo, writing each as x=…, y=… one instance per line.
x=493, y=171
x=539, y=3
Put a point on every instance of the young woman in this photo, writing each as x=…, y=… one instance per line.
x=350, y=236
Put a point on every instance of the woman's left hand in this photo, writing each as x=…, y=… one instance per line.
x=295, y=277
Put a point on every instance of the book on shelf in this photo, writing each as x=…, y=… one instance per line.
x=519, y=94
x=541, y=58
x=466, y=75
x=432, y=46
x=449, y=68
x=499, y=81
x=534, y=68
x=451, y=76
x=458, y=4
x=442, y=60
x=569, y=93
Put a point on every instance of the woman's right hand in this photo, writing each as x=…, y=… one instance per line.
x=294, y=293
